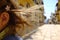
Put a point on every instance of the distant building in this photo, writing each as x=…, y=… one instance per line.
x=53, y=18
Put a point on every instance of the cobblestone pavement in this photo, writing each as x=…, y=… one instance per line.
x=46, y=32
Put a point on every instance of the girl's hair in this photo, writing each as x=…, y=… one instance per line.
x=3, y=5
x=12, y=23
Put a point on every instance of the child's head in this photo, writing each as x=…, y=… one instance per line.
x=6, y=17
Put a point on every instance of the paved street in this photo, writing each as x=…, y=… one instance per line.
x=46, y=32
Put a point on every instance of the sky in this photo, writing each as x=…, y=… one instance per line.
x=49, y=7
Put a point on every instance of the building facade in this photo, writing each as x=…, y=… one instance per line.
x=33, y=13
x=58, y=12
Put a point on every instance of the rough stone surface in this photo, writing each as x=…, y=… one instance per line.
x=46, y=32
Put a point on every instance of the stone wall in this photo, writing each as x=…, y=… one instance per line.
x=58, y=12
